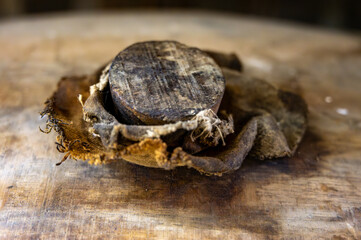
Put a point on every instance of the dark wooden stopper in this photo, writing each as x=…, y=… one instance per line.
x=164, y=81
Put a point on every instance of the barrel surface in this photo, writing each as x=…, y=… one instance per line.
x=313, y=195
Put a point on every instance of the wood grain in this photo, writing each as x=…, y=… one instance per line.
x=160, y=82
x=314, y=195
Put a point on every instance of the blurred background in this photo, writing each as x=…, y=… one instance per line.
x=337, y=14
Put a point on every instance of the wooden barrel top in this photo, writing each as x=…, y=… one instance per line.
x=313, y=195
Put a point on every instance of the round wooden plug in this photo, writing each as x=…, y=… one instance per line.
x=162, y=82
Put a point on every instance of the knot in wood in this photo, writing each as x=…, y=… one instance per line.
x=161, y=82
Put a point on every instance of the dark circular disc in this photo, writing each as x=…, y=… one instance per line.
x=160, y=82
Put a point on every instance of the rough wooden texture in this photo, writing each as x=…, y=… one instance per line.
x=159, y=82
x=314, y=195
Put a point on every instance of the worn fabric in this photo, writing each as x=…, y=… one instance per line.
x=254, y=120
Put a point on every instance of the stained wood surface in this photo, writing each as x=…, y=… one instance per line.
x=159, y=82
x=313, y=195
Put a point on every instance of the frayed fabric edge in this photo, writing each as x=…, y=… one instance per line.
x=205, y=125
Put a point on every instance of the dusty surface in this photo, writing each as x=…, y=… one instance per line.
x=314, y=195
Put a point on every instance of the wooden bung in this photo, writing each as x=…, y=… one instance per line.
x=162, y=82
